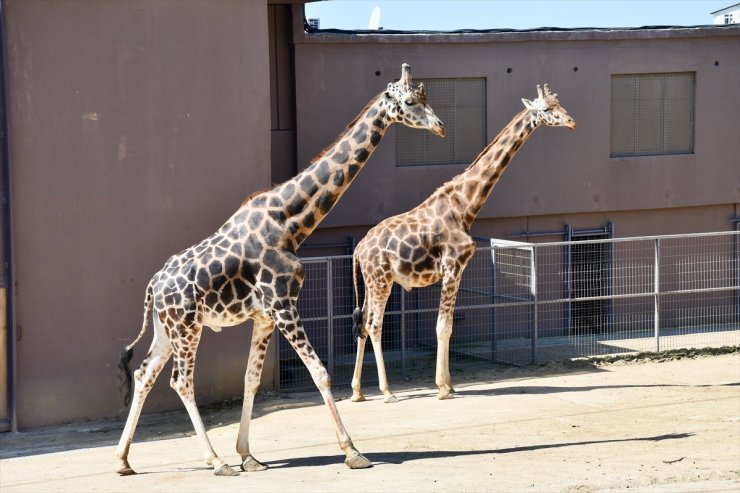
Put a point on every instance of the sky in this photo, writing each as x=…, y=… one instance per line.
x=448, y=15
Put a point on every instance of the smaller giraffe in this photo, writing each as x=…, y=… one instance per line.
x=432, y=242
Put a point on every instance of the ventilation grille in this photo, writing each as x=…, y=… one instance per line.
x=461, y=105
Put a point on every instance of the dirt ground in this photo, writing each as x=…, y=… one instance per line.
x=624, y=426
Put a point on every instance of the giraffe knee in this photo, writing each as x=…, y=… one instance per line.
x=139, y=376
x=323, y=380
x=252, y=383
x=376, y=333
x=180, y=385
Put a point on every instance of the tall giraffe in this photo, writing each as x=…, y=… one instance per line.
x=432, y=242
x=248, y=269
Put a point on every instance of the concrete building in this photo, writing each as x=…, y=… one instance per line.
x=134, y=129
x=727, y=15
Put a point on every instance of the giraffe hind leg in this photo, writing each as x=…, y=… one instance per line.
x=357, y=395
x=377, y=297
x=261, y=334
x=182, y=382
x=377, y=300
x=144, y=378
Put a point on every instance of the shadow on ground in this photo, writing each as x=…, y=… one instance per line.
x=381, y=458
x=176, y=424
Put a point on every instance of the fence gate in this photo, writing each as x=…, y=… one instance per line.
x=514, y=279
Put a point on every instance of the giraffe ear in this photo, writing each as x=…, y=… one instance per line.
x=528, y=104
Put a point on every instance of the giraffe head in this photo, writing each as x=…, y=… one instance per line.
x=408, y=104
x=546, y=110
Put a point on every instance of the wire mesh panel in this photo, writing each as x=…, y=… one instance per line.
x=700, y=278
x=473, y=332
x=461, y=105
x=514, y=280
x=525, y=302
x=343, y=303
x=312, y=307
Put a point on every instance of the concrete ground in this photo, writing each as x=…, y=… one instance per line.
x=624, y=426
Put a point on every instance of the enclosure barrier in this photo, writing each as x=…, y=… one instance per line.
x=521, y=303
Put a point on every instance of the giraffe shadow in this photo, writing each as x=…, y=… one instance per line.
x=543, y=389
x=384, y=458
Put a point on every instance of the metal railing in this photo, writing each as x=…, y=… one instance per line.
x=520, y=303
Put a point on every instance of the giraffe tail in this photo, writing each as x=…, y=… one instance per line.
x=124, y=368
x=357, y=315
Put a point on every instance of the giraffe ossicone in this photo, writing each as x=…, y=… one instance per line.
x=432, y=243
x=248, y=269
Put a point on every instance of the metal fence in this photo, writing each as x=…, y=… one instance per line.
x=520, y=303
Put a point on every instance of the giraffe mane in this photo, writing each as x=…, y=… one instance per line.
x=346, y=130
x=320, y=154
x=254, y=194
x=490, y=144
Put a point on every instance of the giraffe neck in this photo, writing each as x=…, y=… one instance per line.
x=306, y=199
x=468, y=191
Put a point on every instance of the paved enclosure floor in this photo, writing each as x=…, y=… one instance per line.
x=647, y=426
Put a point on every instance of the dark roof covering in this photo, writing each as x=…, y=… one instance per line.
x=502, y=30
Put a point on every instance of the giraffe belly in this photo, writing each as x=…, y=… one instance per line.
x=417, y=280
x=216, y=319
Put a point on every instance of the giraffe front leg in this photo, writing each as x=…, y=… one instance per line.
x=261, y=335
x=290, y=326
x=444, y=331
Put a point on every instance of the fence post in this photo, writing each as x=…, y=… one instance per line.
x=656, y=294
x=736, y=261
x=493, y=304
x=403, y=333
x=533, y=289
x=330, y=314
x=568, y=267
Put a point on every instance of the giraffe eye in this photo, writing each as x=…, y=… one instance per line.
x=408, y=102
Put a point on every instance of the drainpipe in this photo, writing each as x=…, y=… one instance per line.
x=7, y=229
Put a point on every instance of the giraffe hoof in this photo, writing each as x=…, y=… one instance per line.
x=251, y=464
x=225, y=470
x=123, y=469
x=390, y=399
x=445, y=395
x=358, y=397
x=357, y=461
